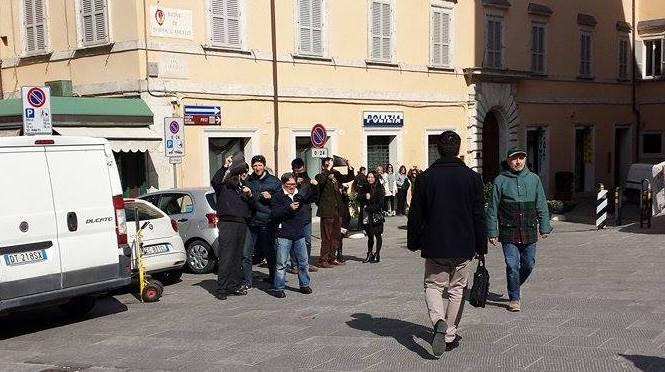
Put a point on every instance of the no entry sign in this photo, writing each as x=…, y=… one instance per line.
x=319, y=136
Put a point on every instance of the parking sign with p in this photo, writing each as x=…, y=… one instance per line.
x=36, y=110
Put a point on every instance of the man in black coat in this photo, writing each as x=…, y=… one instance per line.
x=447, y=224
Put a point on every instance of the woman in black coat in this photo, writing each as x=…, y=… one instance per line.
x=372, y=199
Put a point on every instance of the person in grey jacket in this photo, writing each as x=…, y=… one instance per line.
x=390, y=189
x=403, y=185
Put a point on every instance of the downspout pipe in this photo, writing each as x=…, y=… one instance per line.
x=636, y=108
x=275, y=87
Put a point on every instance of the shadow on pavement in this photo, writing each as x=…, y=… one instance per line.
x=657, y=227
x=40, y=319
x=646, y=363
x=400, y=330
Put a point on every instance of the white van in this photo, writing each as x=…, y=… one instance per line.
x=63, y=234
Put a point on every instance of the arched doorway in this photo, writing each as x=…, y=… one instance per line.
x=490, y=149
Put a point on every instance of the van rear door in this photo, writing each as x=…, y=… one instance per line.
x=83, y=199
x=29, y=251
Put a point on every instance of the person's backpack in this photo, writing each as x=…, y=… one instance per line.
x=481, y=285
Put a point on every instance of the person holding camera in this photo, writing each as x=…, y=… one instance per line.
x=371, y=197
x=331, y=208
x=288, y=217
x=235, y=207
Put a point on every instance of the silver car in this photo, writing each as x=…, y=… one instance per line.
x=193, y=210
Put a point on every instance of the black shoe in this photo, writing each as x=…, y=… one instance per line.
x=454, y=343
x=280, y=294
x=220, y=296
x=240, y=292
x=306, y=290
x=372, y=259
x=377, y=258
x=369, y=258
x=439, y=339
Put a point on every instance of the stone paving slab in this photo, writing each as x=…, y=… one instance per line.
x=594, y=303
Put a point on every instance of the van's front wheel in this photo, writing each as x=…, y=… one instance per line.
x=79, y=306
x=200, y=257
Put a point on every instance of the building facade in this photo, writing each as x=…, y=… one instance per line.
x=383, y=76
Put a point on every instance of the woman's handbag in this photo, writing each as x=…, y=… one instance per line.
x=481, y=285
x=373, y=218
x=377, y=218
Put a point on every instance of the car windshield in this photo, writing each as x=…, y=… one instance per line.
x=211, y=199
x=145, y=212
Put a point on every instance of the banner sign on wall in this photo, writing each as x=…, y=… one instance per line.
x=383, y=118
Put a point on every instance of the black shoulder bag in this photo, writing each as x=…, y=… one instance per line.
x=481, y=285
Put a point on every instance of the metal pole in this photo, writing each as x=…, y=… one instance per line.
x=175, y=176
x=275, y=90
x=618, y=206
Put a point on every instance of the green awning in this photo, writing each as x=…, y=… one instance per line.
x=85, y=111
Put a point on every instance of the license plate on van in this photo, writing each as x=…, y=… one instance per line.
x=155, y=249
x=25, y=257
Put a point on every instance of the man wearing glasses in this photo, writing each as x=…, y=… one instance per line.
x=517, y=212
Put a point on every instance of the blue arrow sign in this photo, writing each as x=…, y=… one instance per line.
x=203, y=110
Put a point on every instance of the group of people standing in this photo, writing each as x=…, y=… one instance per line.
x=261, y=215
x=395, y=186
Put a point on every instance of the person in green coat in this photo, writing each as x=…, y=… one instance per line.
x=516, y=215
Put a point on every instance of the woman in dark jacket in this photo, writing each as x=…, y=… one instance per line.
x=372, y=199
x=235, y=207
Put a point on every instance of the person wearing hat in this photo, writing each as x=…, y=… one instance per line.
x=331, y=207
x=235, y=207
x=516, y=215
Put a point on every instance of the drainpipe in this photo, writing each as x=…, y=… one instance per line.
x=636, y=108
x=274, y=84
x=2, y=92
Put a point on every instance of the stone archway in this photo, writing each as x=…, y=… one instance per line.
x=497, y=100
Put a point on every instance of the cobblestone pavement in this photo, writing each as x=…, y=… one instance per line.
x=596, y=302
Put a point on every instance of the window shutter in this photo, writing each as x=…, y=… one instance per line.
x=317, y=27
x=87, y=22
x=35, y=25
x=490, y=43
x=101, y=21
x=386, y=31
x=29, y=24
x=639, y=59
x=376, y=31
x=225, y=23
x=233, y=12
x=582, y=54
x=497, y=44
x=436, y=37
x=305, y=26
x=217, y=22
x=445, y=39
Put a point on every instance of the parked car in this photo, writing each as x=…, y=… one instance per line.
x=64, y=235
x=193, y=210
x=163, y=250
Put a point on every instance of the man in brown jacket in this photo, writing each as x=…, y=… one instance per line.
x=330, y=210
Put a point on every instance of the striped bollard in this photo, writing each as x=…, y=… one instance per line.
x=601, y=207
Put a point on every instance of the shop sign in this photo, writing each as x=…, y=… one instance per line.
x=383, y=118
